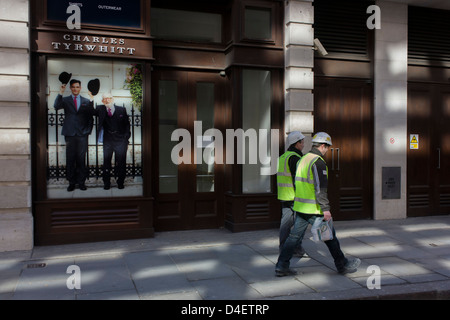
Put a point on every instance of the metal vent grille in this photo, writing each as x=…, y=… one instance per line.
x=350, y=203
x=444, y=200
x=78, y=218
x=256, y=209
x=341, y=26
x=419, y=200
x=428, y=36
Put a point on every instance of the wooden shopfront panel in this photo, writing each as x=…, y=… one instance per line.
x=110, y=51
x=343, y=109
x=429, y=159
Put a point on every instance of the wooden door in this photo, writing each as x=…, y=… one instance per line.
x=428, y=162
x=343, y=109
x=188, y=189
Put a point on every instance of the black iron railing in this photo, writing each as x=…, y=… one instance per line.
x=56, y=167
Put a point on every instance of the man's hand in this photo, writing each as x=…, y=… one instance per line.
x=63, y=88
x=326, y=215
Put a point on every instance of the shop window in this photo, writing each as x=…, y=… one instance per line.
x=205, y=114
x=169, y=24
x=256, y=111
x=168, y=115
x=257, y=23
x=115, y=80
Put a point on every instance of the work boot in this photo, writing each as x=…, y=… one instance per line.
x=285, y=272
x=300, y=253
x=351, y=266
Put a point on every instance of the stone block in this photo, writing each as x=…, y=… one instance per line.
x=299, y=56
x=14, y=35
x=15, y=115
x=299, y=34
x=15, y=170
x=16, y=232
x=15, y=196
x=14, y=142
x=299, y=11
x=301, y=121
x=17, y=62
x=299, y=78
x=14, y=88
x=14, y=10
x=299, y=100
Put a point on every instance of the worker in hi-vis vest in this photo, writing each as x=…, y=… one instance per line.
x=311, y=202
x=287, y=165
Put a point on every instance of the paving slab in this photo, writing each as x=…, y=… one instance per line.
x=413, y=257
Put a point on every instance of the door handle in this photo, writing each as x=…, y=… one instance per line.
x=332, y=158
x=439, y=158
x=338, y=159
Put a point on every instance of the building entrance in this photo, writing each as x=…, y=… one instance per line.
x=189, y=183
x=343, y=109
x=428, y=149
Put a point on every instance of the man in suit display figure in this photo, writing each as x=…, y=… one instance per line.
x=114, y=122
x=78, y=123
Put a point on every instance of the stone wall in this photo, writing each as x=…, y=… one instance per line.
x=391, y=99
x=16, y=221
x=299, y=63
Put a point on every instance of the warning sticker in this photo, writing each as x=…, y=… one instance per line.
x=414, y=141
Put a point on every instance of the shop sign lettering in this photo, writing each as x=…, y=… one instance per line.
x=92, y=44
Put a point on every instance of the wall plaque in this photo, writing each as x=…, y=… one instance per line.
x=391, y=185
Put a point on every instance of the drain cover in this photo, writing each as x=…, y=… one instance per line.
x=36, y=265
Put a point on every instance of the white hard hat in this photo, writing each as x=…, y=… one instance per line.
x=294, y=137
x=322, y=137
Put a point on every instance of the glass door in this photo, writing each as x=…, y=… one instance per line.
x=188, y=106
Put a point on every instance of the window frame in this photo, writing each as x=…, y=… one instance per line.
x=272, y=7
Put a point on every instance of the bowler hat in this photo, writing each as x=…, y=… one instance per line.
x=94, y=86
x=64, y=77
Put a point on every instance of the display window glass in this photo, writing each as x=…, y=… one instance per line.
x=94, y=128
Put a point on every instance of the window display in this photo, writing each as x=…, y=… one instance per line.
x=94, y=128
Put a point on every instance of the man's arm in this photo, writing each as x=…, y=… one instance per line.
x=59, y=99
x=292, y=163
x=321, y=187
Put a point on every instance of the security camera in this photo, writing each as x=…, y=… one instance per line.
x=222, y=73
x=319, y=47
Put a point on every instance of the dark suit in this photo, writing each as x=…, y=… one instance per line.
x=76, y=129
x=116, y=132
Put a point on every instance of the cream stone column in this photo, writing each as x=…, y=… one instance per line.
x=391, y=83
x=16, y=222
x=299, y=62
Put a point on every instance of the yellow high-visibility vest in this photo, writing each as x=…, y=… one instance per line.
x=285, y=185
x=305, y=196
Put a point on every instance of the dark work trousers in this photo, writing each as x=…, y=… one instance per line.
x=118, y=146
x=295, y=237
x=76, y=149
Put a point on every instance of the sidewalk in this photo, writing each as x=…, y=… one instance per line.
x=413, y=256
